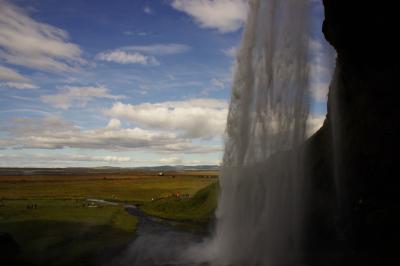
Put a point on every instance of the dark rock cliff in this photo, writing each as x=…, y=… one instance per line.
x=355, y=203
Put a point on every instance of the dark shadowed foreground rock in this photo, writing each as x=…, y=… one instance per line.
x=9, y=250
x=354, y=209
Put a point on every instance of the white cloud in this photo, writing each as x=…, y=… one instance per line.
x=11, y=75
x=321, y=69
x=218, y=83
x=19, y=85
x=88, y=158
x=54, y=133
x=143, y=55
x=137, y=33
x=223, y=15
x=110, y=158
x=81, y=95
x=171, y=77
x=123, y=57
x=319, y=91
x=64, y=160
x=314, y=123
x=315, y=45
x=14, y=80
x=114, y=124
x=159, y=49
x=171, y=160
x=26, y=42
x=231, y=52
x=199, y=118
x=148, y=10
x=22, y=126
x=61, y=158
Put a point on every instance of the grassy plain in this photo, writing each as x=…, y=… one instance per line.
x=47, y=214
x=135, y=187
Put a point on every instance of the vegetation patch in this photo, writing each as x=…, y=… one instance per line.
x=198, y=208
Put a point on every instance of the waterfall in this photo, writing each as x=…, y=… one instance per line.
x=259, y=215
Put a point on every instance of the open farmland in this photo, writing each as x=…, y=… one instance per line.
x=116, y=185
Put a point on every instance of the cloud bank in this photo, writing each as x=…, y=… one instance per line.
x=55, y=133
x=197, y=118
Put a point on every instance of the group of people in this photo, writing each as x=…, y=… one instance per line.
x=31, y=206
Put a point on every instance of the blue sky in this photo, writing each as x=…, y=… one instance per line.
x=125, y=83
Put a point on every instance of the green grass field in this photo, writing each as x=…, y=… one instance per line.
x=135, y=189
x=199, y=208
x=63, y=230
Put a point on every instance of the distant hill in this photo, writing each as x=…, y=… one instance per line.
x=15, y=171
x=179, y=168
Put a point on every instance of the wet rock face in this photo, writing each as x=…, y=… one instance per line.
x=363, y=109
x=359, y=164
x=363, y=30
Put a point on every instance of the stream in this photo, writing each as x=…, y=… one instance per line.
x=157, y=241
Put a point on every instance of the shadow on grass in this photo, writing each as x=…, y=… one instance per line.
x=44, y=242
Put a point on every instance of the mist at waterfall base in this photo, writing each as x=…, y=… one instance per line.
x=259, y=219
